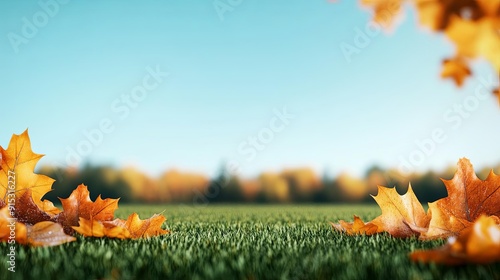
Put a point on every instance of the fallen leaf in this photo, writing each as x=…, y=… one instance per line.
x=479, y=244
x=47, y=234
x=18, y=165
x=133, y=227
x=28, y=212
x=79, y=205
x=145, y=228
x=468, y=198
x=356, y=227
x=402, y=215
x=96, y=228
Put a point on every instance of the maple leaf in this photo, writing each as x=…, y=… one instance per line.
x=133, y=227
x=79, y=205
x=145, y=228
x=457, y=69
x=18, y=164
x=385, y=11
x=356, y=227
x=94, y=228
x=468, y=198
x=478, y=244
x=402, y=215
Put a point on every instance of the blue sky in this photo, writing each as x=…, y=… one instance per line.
x=227, y=77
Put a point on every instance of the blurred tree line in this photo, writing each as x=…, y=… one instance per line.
x=299, y=185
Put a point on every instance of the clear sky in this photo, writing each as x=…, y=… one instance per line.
x=68, y=69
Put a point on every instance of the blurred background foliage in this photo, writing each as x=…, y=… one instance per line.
x=300, y=185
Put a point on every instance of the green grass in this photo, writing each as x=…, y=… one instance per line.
x=240, y=242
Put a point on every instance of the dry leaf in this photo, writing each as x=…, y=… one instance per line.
x=78, y=205
x=457, y=69
x=145, y=228
x=402, y=215
x=356, y=227
x=385, y=11
x=468, y=198
x=47, y=234
x=478, y=244
x=133, y=227
x=96, y=228
x=28, y=212
x=40, y=223
x=20, y=159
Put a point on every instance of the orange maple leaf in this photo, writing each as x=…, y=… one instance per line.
x=457, y=69
x=385, y=11
x=356, y=227
x=133, y=227
x=94, y=228
x=145, y=228
x=478, y=244
x=468, y=198
x=79, y=205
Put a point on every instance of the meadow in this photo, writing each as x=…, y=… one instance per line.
x=240, y=242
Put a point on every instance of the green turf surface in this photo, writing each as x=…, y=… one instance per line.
x=240, y=242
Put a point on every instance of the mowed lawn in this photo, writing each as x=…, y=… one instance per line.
x=240, y=242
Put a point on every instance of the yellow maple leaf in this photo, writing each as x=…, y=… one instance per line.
x=17, y=172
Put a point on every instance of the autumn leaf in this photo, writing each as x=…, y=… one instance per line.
x=18, y=164
x=47, y=234
x=478, y=244
x=468, y=198
x=40, y=223
x=457, y=69
x=9, y=226
x=402, y=215
x=28, y=212
x=94, y=228
x=145, y=228
x=79, y=205
x=385, y=11
x=357, y=227
x=133, y=227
